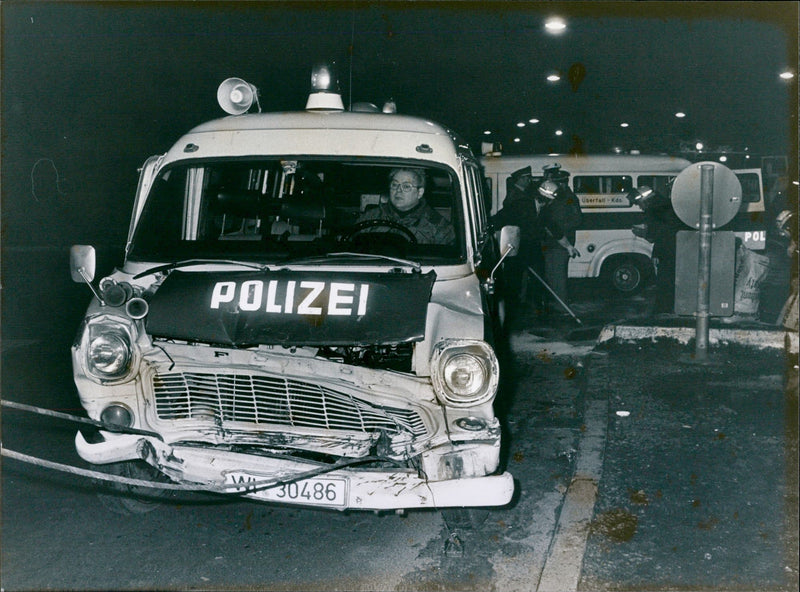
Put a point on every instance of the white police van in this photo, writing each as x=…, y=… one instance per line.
x=261, y=340
x=608, y=248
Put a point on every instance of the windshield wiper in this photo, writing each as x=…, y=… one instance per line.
x=192, y=262
x=346, y=254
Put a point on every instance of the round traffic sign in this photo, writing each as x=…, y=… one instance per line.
x=726, y=196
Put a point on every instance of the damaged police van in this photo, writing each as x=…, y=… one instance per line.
x=284, y=328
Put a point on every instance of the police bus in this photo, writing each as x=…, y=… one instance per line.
x=608, y=248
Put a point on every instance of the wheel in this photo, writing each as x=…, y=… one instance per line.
x=379, y=223
x=626, y=275
x=125, y=499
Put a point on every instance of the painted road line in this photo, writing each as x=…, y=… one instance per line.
x=562, y=567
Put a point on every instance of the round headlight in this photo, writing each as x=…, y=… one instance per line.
x=109, y=355
x=117, y=414
x=464, y=375
x=464, y=372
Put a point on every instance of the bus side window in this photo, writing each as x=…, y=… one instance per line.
x=603, y=184
x=750, y=187
x=660, y=183
x=586, y=184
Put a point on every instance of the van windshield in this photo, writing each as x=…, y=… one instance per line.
x=283, y=209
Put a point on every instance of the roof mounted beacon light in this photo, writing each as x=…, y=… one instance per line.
x=324, y=90
x=236, y=96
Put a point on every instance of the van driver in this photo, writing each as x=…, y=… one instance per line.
x=408, y=207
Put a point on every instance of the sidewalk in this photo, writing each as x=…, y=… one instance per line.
x=683, y=329
x=699, y=484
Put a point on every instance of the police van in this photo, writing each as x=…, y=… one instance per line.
x=265, y=337
x=608, y=248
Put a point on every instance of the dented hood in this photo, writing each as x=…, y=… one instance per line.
x=291, y=308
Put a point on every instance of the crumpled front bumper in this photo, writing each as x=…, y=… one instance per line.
x=348, y=488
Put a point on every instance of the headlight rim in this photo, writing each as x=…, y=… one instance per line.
x=448, y=349
x=109, y=327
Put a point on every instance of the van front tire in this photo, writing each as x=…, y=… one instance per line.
x=627, y=275
x=124, y=499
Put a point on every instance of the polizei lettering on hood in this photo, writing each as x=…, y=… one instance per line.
x=303, y=298
x=291, y=308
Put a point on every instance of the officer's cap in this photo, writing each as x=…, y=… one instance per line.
x=522, y=173
x=553, y=171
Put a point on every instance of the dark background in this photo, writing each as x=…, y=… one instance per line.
x=90, y=90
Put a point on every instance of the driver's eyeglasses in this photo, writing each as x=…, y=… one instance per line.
x=404, y=187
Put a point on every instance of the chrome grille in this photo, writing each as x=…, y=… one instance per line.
x=262, y=400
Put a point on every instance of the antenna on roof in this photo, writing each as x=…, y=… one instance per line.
x=352, y=43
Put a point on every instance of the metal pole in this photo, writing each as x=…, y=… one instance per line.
x=704, y=262
x=549, y=289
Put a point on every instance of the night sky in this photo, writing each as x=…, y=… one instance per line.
x=89, y=90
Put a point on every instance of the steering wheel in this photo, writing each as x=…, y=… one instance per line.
x=378, y=223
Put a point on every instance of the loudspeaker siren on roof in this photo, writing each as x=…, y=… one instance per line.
x=236, y=96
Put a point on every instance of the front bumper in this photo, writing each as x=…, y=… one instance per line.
x=241, y=474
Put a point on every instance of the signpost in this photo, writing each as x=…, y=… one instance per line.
x=706, y=196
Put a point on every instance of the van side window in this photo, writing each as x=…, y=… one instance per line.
x=602, y=184
x=660, y=183
x=477, y=208
x=751, y=188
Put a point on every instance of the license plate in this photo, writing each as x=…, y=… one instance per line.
x=317, y=491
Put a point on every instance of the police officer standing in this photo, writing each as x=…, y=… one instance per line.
x=559, y=217
x=660, y=228
x=520, y=209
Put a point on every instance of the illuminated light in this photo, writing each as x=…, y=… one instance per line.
x=559, y=133
x=617, y=150
x=521, y=124
x=554, y=78
x=680, y=114
x=747, y=157
x=723, y=158
x=623, y=124
x=487, y=132
x=555, y=25
x=698, y=146
x=516, y=140
x=787, y=75
x=324, y=94
x=533, y=120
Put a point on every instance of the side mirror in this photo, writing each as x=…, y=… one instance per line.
x=82, y=260
x=509, y=246
x=82, y=263
x=509, y=241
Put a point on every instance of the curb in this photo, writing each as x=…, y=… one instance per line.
x=761, y=339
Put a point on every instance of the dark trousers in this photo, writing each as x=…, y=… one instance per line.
x=556, y=268
x=665, y=284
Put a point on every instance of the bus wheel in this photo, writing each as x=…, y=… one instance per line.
x=626, y=275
